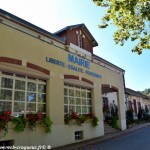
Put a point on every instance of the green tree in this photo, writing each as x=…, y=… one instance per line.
x=146, y=92
x=131, y=17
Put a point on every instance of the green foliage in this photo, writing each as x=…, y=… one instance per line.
x=114, y=123
x=146, y=117
x=74, y=118
x=141, y=114
x=81, y=119
x=39, y=120
x=131, y=17
x=94, y=121
x=32, y=120
x=47, y=123
x=20, y=123
x=5, y=117
x=129, y=117
x=146, y=92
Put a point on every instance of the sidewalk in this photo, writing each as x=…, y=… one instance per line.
x=77, y=146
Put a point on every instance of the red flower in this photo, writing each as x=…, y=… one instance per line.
x=3, y=117
x=74, y=115
x=7, y=113
x=40, y=116
x=90, y=115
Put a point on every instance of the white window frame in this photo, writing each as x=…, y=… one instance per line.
x=67, y=99
x=78, y=135
x=26, y=79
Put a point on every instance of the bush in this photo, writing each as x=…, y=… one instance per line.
x=146, y=117
x=20, y=123
x=75, y=118
x=114, y=123
x=141, y=114
x=94, y=121
x=129, y=117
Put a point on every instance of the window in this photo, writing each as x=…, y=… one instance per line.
x=80, y=38
x=6, y=143
x=78, y=135
x=80, y=41
x=21, y=94
x=77, y=100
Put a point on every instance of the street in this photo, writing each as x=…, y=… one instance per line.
x=136, y=140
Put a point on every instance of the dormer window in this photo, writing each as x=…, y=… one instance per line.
x=80, y=37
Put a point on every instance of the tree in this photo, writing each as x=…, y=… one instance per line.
x=131, y=17
x=146, y=92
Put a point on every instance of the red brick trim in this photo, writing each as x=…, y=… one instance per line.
x=106, y=87
x=35, y=67
x=11, y=60
x=88, y=81
x=71, y=77
x=77, y=78
x=19, y=62
x=115, y=88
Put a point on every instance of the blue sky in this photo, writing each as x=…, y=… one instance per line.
x=53, y=15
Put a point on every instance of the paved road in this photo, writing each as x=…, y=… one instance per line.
x=136, y=140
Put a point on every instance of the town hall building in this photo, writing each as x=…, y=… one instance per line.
x=57, y=74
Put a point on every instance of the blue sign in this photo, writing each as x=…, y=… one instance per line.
x=93, y=74
x=55, y=61
x=78, y=61
x=75, y=60
x=71, y=67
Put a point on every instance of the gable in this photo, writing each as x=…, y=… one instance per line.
x=78, y=35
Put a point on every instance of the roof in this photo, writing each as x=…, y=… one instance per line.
x=108, y=63
x=82, y=25
x=135, y=93
x=29, y=25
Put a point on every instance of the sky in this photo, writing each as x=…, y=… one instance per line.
x=53, y=15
